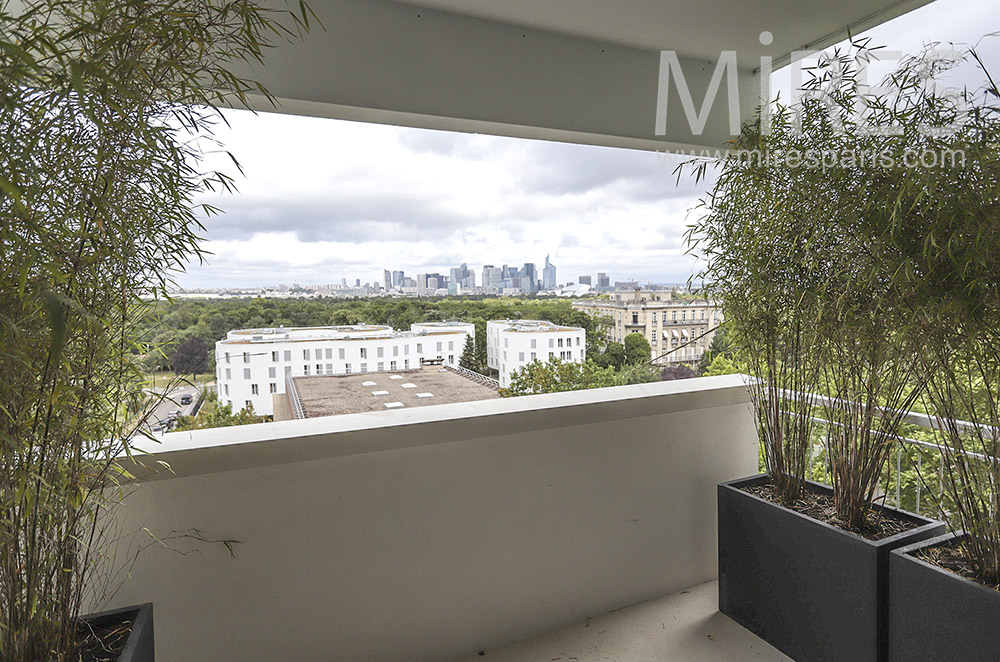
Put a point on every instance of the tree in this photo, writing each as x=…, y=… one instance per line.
x=482, y=356
x=190, y=358
x=557, y=375
x=104, y=107
x=345, y=317
x=221, y=417
x=672, y=372
x=721, y=365
x=613, y=356
x=468, y=358
x=637, y=349
x=720, y=345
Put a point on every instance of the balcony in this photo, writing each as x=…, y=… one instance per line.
x=442, y=532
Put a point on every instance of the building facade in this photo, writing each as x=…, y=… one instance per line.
x=678, y=330
x=491, y=278
x=252, y=364
x=511, y=345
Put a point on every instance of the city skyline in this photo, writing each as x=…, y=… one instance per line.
x=500, y=278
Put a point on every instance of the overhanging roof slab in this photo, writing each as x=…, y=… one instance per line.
x=589, y=73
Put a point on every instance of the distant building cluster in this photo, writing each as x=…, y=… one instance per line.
x=253, y=366
x=461, y=280
x=678, y=330
x=504, y=279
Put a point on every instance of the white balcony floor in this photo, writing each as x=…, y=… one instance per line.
x=684, y=626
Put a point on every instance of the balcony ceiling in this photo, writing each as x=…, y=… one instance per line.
x=697, y=28
x=583, y=71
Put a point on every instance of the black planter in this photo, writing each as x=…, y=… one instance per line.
x=936, y=615
x=139, y=646
x=813, y=591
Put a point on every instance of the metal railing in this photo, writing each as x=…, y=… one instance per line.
x=901, y=444
x=475, y=376
x=298, y=411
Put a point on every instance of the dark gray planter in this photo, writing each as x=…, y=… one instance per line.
x=936, y=615
x=139, y=647
x=813, y=591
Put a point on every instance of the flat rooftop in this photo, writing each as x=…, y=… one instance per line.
x=353, y=332
x=330, y=395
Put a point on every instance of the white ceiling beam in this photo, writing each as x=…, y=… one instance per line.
x=394, y=63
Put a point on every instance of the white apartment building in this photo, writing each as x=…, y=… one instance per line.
x=513, y=344
x=251, y=364
x=678, y=330
x=468, y=328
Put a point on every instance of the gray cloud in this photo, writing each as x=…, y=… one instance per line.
x=563, y=169
x=345, y=218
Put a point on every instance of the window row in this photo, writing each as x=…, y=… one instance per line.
x=327, y=352
x=254, y=389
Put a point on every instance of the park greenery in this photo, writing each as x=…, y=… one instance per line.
x=214, y=415
x=175, y=331
x=105, y=110
x=871, y=282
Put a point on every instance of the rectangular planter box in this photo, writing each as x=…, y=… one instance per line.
x=813, y=591
x=139, y=647
x=937, y=615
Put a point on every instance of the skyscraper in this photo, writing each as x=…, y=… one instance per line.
x=397, y=278
x=491, y=277
x=584, y=280
x=548, y=275
x=387, y=279
x=603, y=282
x=529, y=278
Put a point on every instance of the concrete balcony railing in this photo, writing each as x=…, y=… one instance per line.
x=438, y=532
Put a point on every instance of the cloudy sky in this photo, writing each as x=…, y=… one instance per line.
x=324, y=199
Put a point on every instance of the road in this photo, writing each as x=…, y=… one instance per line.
x=173, y=403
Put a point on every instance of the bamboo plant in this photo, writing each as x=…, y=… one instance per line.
x=944, y=237
x=797, y=229
x=105, y=108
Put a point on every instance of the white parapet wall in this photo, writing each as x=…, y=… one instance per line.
x=431, y=533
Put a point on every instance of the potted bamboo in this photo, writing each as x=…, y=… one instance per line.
x=945, y=592
x=104, y=110
x=812, y=310
x=944, y=599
